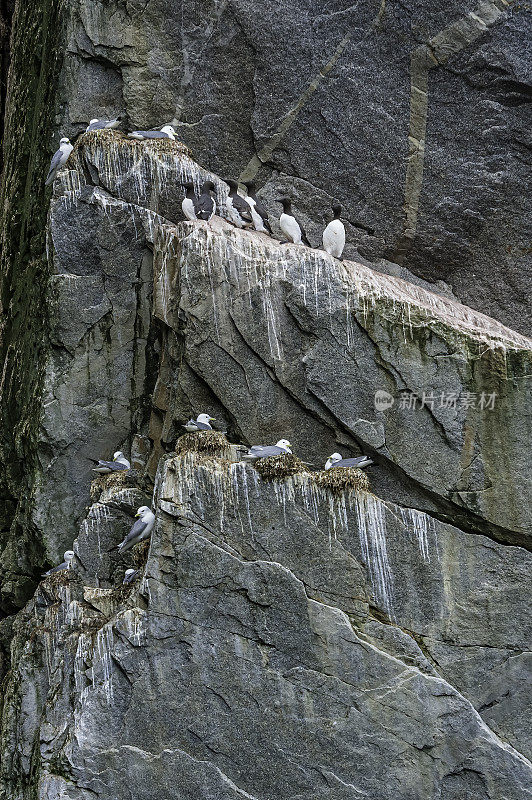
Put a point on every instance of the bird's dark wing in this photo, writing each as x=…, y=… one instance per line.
x=353, y=462
x=152, y=134
x=242, y=206
x=54, y=164
x=264, y=452
x=114, y=466
x=204, y=206
x=202, y=426
x=304, y=237
x=97, y=126
x=64, y=565
x=263, y=214
x=135, y=532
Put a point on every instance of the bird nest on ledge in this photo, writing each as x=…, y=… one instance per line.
x=206, y=443
x=275, y=468
x=342, y=479
x=121, y=480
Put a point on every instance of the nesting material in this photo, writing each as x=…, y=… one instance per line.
x=120, y=480
x=342, y=479
x=107, y=137
x=276, y=468
x=139, y=554
x=207, y=443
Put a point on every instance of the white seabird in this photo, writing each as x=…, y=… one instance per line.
x=238, y=209
x=202, y=207
x=129, y=575
x=59, y=158
x=202, y=423
x=259, y=451
x=118, y=464
x=336, y=460
x=258, y=211
x=68, y=556
x=166, y=132
x=290, y=226
x=334, y=234
x=140, y=530
x=102, y=124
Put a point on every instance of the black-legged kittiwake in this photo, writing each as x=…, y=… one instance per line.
x=238, y=209
x=129, y=575
x=68, y=556
x=202, y=207
x=334, y=234
x=258, y=210
x=336, y=460
x=166, y=132
x=259, y=451
x=140, y=530
x=59, y=158
x=201, y=423
x=118, y=464
x=102, y=124
x=290, y=226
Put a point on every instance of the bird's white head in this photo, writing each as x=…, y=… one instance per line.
x=64, y=140
x=93, y=121
x=335, y=457
x=284, y=444
x=169, y=130
x=205, y=419
x=68, y=555
x=118, y=454
x=129, y=572
x=141, y=511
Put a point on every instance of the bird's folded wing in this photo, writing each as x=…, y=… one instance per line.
x=54, y=163
x=136, y=531
x=204, y=205
x=114, y=466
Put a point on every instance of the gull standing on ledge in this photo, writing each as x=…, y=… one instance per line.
x=258, y=451
x=258, y=210
x=68, y=556
x=140, y=530
x=102, y=124
x=202, y=423
x=59, y=158
x=118, y=464
x=290, y=226
x=334, y=234
x=166, y=132
x=336, y=460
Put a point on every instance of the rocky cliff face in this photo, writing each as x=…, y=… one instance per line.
x=281, y=640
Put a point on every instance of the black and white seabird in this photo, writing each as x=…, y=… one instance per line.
x=336, y=460
x=166, y=132
x=59, y=158
x=129, y=575
x=68, y=556
x=258, y=210
x=258, y=451
x=334, y=234
x=238, y=209
x=202, y=207
x=202, y=423
x=118, y=464
x=140, y=530
x=102, y=124
x=290, y=226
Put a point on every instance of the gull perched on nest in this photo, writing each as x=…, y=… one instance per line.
x=68, y=556
x=140, y=530
x=118, y=464
x=336, y=460
x=129, y=576
x=102, y=125
x=166, y=132
x=202, y=423
x=259, y=451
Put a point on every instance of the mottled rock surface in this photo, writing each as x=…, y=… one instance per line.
x=278, y=642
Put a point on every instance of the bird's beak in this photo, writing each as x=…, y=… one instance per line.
x=212, y=419
x=137, y=514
